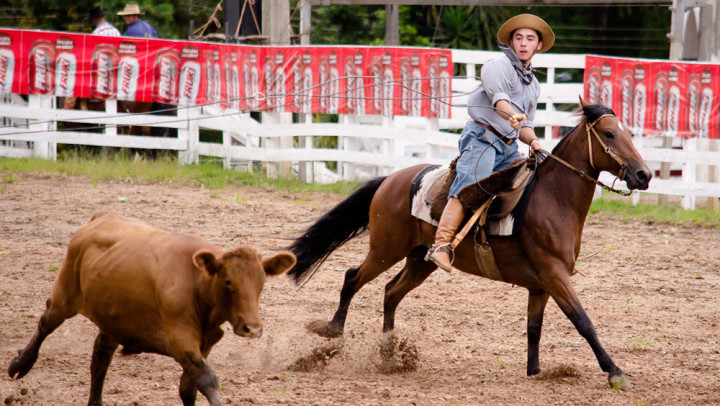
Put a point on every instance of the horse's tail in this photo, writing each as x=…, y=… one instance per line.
x=342, y=223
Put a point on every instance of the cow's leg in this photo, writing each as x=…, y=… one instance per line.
x=197, y=374
x=103, y=352
x=536, y=309
x=188, y=390
x=413, y=274
x=565, y=296
x=51, y=319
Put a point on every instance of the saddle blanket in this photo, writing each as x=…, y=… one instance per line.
x=422, y=193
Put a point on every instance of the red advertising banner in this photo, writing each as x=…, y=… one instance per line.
x=319, y=79
x=657, y=97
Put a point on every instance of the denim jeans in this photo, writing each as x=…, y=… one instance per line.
x=481, y=153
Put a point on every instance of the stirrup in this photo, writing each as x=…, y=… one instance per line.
x=443, y=248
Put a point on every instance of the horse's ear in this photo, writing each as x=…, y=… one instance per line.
x=582, y=102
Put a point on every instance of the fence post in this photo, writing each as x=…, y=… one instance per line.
x=689, y=173
x=190, y=134
x=44, y=150
x=305, y=168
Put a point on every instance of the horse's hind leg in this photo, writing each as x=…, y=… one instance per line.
x=103, y=352
x=355, y=278
x=51, y=319
x=413, y=274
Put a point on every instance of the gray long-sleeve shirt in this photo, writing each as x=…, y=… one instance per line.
x=500, y=81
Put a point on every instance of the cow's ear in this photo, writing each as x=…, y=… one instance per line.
x=206, y=261
x=279, y=264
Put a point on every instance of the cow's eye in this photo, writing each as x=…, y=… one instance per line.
x=608, y=135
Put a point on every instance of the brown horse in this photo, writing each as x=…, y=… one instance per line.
x=540, y=256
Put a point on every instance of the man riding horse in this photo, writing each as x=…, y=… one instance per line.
x=488, y=141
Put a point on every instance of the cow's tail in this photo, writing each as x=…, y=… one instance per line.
x=342, y=223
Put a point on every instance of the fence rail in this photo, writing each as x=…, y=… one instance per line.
x=366, y=145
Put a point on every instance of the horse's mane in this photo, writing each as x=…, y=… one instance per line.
x=589, y=114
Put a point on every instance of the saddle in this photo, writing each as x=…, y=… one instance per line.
x=488, y=204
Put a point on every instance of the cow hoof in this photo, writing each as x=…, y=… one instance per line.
x=324, y=329
x=20, y=366
x=618, y=382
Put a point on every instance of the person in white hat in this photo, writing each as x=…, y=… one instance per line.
x=135, y=26
x=502, y=111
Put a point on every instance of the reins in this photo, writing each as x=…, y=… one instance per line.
x=590, y=128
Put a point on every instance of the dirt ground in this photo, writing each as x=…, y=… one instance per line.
x=652, y=291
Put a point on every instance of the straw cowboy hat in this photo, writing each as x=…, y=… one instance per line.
x=527, y=21
x=130, y=9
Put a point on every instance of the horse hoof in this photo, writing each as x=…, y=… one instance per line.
x=533, y=371
x=324, y=329
x=19, y=366
x=619, y=382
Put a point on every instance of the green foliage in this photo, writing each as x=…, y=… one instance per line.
x=171, y=18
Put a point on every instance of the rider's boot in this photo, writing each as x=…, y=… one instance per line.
x=450, y=220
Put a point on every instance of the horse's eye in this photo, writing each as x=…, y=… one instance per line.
x=228, y=284
x=608, y=134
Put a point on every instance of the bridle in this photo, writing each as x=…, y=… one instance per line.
x=590, y=129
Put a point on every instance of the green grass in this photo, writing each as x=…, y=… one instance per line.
x=212, y=175
x=650, y=214
x=165, y=170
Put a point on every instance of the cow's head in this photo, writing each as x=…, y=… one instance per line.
x=238, y=277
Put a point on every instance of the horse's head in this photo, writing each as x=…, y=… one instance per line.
x=611, y=147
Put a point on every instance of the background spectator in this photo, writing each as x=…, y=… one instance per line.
x=102, y=27
x=135, y=26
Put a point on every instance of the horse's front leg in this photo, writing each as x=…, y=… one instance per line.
x=565, y=296
x=536, y=309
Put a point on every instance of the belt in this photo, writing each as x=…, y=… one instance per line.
x=503, y=138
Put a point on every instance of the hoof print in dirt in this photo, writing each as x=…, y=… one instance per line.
x=318, y=359
x=562, y=372
x=323, y=329
x=397, y=355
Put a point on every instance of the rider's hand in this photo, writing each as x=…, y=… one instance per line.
x=535, y=145
x=516, y=119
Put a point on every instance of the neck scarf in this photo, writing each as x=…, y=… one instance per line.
x=526, y=74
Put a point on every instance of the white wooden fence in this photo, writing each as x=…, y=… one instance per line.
x=367, y=145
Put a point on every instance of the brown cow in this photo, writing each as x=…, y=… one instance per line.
x=154, y=291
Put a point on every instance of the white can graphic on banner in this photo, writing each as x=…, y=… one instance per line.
x=626, y=97
x=444, y=83
x=415, y=86
x=7, y=71
x=416, y=95
x=280, y=77
x=127, y=78
x=334, y=82
x=323, y=85
x=673, y=111
x=350, y=85
x=606, y=85
x=307, y=89
x=189, y=83
x=269, y=81
x=65, y=69
x=706, y=100
x=693, y=103
x=639, y=108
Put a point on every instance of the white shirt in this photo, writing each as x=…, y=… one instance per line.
x=106, y=29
